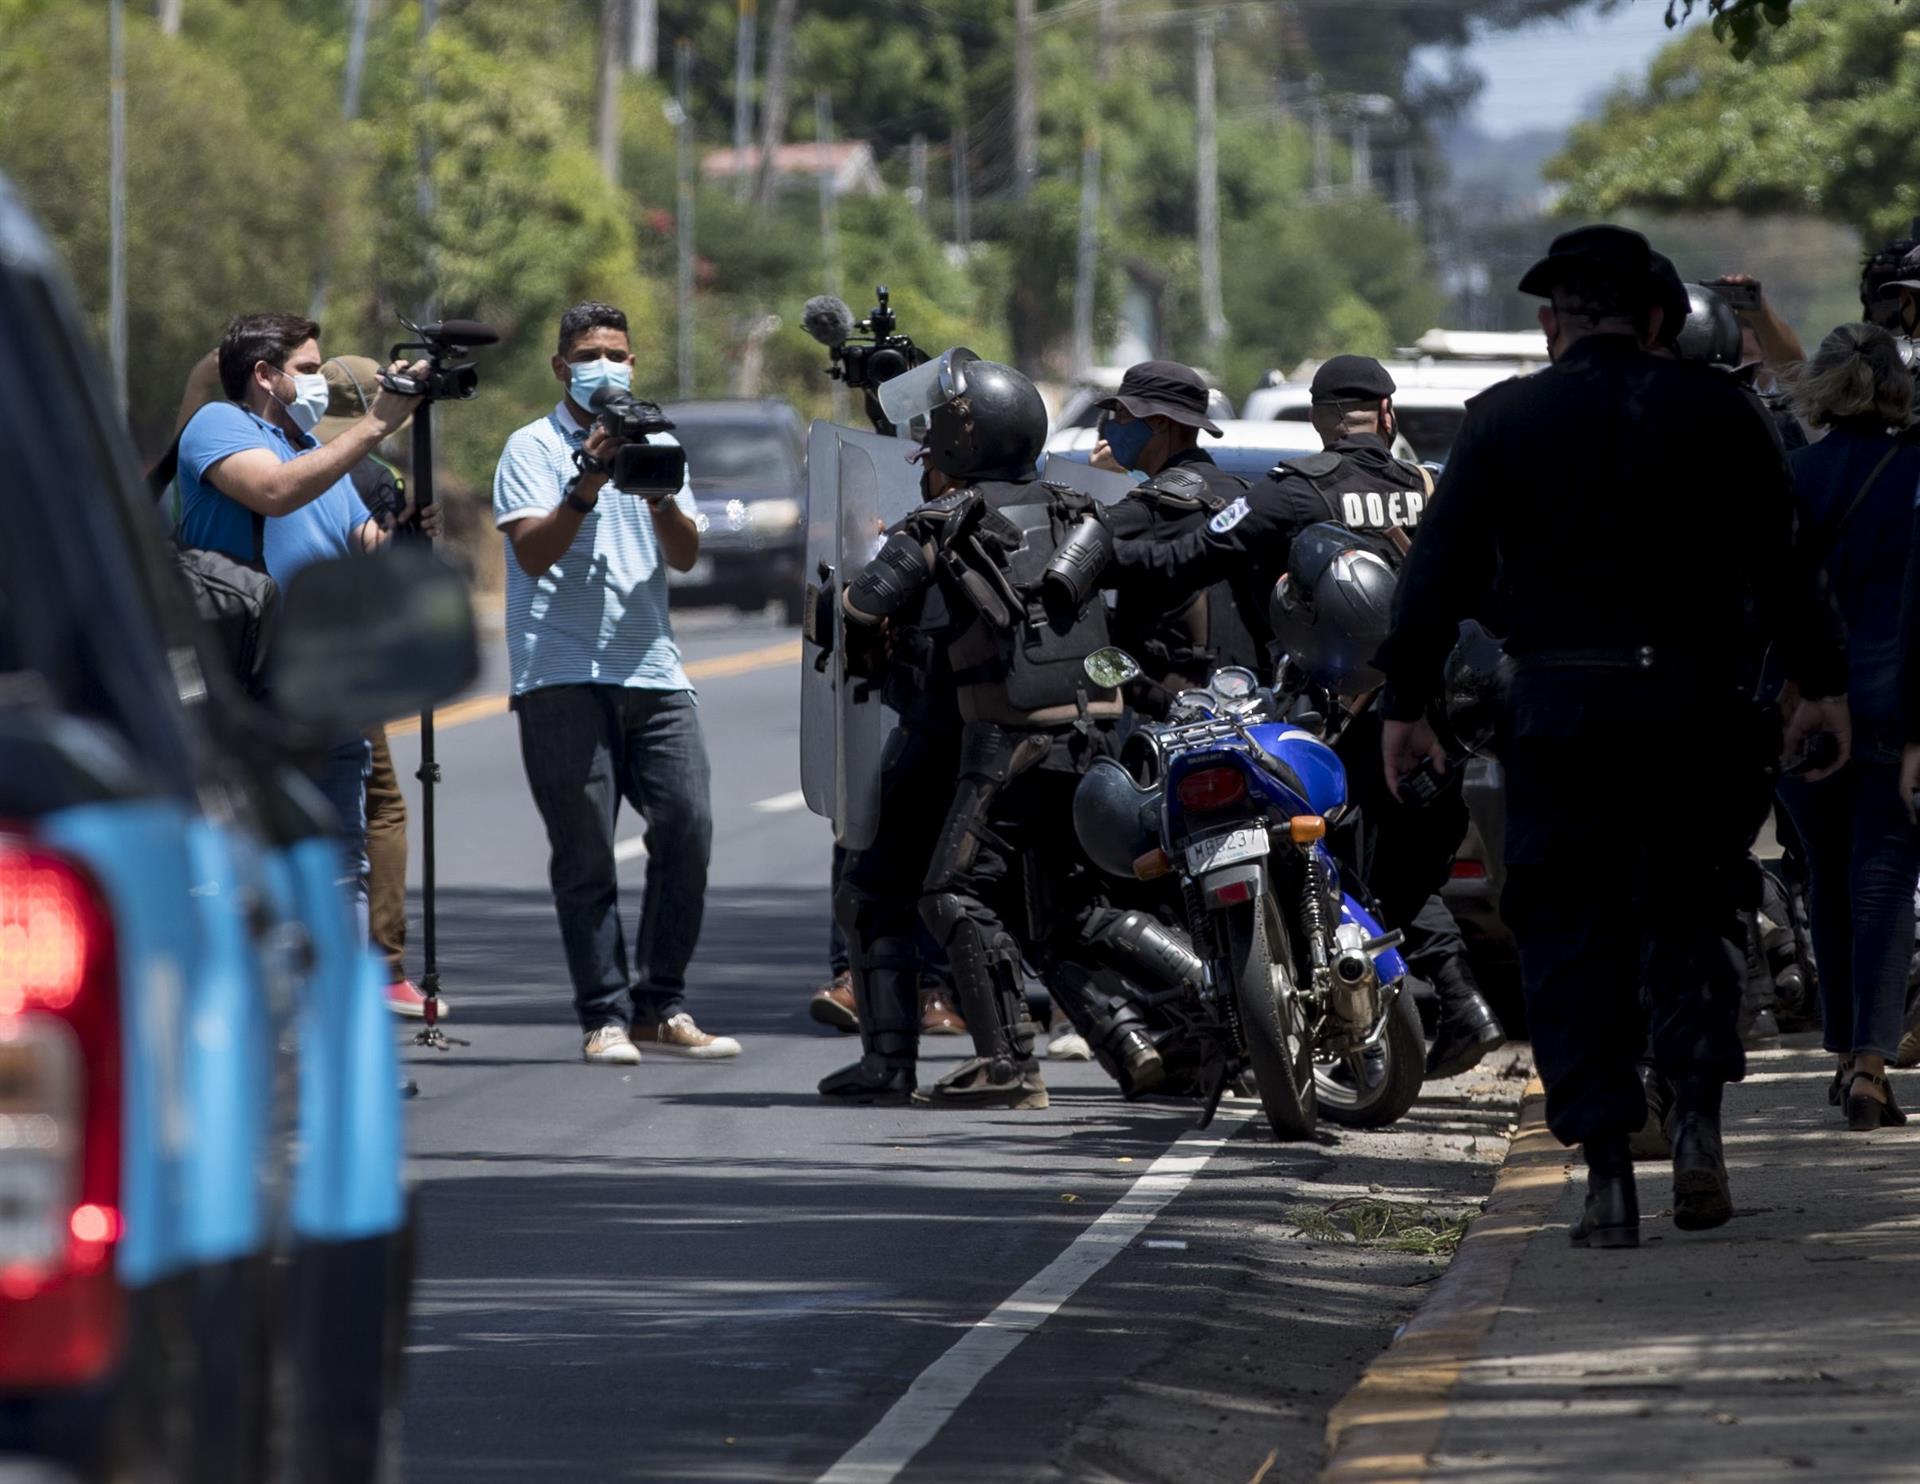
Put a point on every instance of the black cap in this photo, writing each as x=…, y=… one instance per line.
x=1909, y=271
x=1671, y=296
x=1164, y=389
x=1352, y=379
x=1606, y=249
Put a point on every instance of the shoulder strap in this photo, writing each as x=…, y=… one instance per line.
x=1310, y=466
x=1822, y=548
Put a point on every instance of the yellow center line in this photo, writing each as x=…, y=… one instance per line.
x=719, y=667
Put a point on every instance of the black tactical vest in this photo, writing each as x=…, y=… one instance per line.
x=1367, y=492
x=1022, y=644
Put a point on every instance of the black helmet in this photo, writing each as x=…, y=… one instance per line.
x=995, y=427
x=1116, y=819
x=1332, y=609
x=1711, y=332
x=1478, y=677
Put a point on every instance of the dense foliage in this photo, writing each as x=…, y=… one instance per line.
x=1820, y=121
x=248, y=189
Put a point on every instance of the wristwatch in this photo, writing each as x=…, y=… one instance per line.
x=572, y=497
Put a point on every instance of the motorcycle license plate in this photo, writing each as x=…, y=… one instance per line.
x=1226, y=850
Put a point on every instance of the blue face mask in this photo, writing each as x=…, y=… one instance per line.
x=1127, y=441
x=589, y=377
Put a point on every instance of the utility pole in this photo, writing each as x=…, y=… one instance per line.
x=1362, y=162
x=823, y=163
x=829, y=220
x=613, y=39
x=1322, y=150
x=357, y=23
x=1207, y=173
x=683, y=213
x=169, y=13
x=643, y=37
x=1087, y=250
x=423, y=197
x=1406, y=202
x=1023, y=100
x=962, y=188
x=745, y=43
x=773, y=111
x=917, y=175
x=117, y=201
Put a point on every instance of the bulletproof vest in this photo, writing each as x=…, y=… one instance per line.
x=1182, y=638
x=1371, y=497
x=1018, y=656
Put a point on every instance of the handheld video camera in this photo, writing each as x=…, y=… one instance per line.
x=448, y=378
x=863, y=353
x=651, y=471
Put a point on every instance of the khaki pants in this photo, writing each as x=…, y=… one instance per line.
x=387, y=857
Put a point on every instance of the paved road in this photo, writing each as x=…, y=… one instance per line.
x=696, y=1271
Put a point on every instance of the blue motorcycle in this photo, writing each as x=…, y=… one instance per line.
x=1228, y=810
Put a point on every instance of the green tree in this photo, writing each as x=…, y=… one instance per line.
x=1821, y=121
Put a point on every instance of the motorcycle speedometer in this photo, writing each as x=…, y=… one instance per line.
x=1233, y=683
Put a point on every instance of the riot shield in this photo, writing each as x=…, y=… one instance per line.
x=858, y=485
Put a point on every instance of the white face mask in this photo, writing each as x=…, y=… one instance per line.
x=310, y=397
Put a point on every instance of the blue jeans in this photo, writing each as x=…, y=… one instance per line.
x=1862, y=856
x=587, y=747
x=343, y=779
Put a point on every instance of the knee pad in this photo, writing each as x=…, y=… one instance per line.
x=1149, y=948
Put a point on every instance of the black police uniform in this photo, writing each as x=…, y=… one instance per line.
x=1631, y=517
x=1355, y=482
x=1177, y=636
x=1403, y=854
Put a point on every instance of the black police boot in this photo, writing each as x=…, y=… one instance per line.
x=1133, y=1061
x=1611, y=1215
x=1650, y=1140
x=874, y=1079
x=1702, y=1199
x=1468, y=1028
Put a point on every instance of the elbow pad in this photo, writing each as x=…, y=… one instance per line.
x=1078, y=562
x=897, y=575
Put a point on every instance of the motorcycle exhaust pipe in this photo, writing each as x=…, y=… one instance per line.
x=1354, y=992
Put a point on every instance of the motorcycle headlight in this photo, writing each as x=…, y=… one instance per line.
x=771, y=516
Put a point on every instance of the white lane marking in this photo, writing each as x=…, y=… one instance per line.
x=630, y=850
x=782, y=803
x=938, y=1391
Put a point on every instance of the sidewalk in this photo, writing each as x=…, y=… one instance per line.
x=1785, y=1342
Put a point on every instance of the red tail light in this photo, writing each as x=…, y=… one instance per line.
x=60, y=1308
x=1469, y=871
x=1211, y=788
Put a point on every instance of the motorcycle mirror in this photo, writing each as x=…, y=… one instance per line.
x=1110, y=668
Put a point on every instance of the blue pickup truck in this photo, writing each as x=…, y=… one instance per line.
x=204, y=1230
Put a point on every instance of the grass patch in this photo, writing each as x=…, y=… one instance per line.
x=1395, y=1226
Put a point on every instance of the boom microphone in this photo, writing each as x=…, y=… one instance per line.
x=460, y=332
x=827, y=320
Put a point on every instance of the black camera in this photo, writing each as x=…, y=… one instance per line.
x=865, y=353
x=654, y=472
x=627, y=417
x=448, y=378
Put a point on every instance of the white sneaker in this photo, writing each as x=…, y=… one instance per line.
x=611, y=1046
x=1070, y=1045
x=679, y=1036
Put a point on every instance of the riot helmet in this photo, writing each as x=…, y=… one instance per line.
x=983, y=420
x=1332, y=609
x=1710, y=334
x=1116, y=820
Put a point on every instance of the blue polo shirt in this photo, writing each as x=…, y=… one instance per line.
x=209, y=519
x=598, y=616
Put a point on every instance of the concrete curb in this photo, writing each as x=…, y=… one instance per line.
x=1388, y=1426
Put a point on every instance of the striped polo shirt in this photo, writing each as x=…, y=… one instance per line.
x=598, y=616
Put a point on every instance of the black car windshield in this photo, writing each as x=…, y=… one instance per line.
x=737, y=453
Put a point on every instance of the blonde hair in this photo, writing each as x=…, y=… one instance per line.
x=1856, y=372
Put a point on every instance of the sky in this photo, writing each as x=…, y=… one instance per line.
x=1549, y=75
